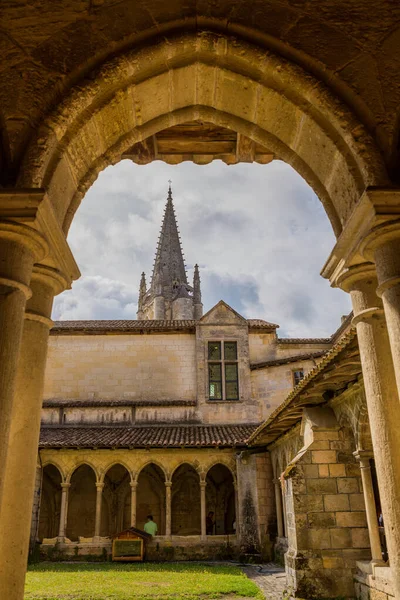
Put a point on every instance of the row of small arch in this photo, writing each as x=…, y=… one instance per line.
x=134, y=475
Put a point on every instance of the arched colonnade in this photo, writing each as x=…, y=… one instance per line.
x=87, y=503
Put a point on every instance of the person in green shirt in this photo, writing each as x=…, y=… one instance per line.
x=150, y=527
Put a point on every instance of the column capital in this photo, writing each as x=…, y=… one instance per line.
x=65, y=485
x=363, y=457
x=376, y=207
x=99, y=485
x=350, y=278
x=203, y=484
x=383, y=233
x=168, y=484
x=27, y=214
x=133, y=485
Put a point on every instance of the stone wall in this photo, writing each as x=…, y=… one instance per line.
x=327, y=529
x=266, y=504
x=271, y=385
x=143, y=367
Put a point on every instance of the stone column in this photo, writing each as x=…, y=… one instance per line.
x=203, y=485
x=63, y=511
x=382, y=399
x=168, y=511
x=237, y=511
x=279, y=511
x=99, y=498
x=133, y=503
x=20, y=247
x=382, y=246
x=363, y=458
x=23, y=438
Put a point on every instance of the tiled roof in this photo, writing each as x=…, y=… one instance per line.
x=287, y=359
x=143, y=325
x=304, y=340
x=169, y=436
x=261, y=324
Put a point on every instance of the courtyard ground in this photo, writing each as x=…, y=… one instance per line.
x=145, y=581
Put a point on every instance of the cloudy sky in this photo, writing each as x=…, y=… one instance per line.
x=258, y=233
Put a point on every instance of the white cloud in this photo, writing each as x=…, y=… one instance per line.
x=259, y=234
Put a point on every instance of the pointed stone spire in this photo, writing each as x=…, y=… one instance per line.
x=169, y=296
x=197, y=304
x=142, y=293
x=169, y=268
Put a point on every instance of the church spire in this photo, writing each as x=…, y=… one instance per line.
x=169, y=296
x=169, y=268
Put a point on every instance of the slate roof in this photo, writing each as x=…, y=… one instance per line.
x=124, y=326
x=169, y=436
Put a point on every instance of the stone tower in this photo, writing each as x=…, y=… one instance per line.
x=169, y=295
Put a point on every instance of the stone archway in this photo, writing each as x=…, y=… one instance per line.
x=211, y=78
x=81, y=503
x=220, y=499
x=116, y=501
x=50, y=503
x=215, y=80
x=185, y=501
x=150, y=497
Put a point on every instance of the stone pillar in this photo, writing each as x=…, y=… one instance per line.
x=133, y=503
x=99, y=498
x=382, y=399
x=29, y=234
x=363, y=458
x=168, y=508
x=23, y=438
x=237, y=511
x=382, y=246
x=20, y=247
x=279, y=511
x=203, y=485
x=63, y=511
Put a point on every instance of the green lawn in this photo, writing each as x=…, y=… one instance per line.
x=145, y=581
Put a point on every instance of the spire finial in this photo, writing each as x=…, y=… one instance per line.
x=169, y=189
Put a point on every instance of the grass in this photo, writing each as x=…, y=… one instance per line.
x=143, y=581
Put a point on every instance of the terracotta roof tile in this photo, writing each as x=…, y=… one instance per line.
x=287, y=359
x=169, y=436
x=124, y=326
x=304, y=340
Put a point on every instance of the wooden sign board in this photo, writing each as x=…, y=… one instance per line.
x=129, y=545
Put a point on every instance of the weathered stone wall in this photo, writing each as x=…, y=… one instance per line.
x=327, y=529
x=266, y=504
x=142, y=367
x=270, y=386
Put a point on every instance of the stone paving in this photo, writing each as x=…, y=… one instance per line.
x=270, y=578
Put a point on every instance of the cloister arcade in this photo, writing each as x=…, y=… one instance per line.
x=316, y=87
x=85, y=504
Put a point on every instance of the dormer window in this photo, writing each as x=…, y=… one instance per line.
x=223, y=373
